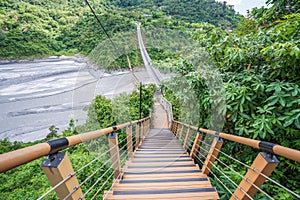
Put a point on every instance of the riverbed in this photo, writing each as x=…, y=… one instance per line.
x=37, y=94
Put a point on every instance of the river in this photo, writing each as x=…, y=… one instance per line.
x=37, y=94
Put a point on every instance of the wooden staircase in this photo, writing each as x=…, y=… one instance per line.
x=161, y=169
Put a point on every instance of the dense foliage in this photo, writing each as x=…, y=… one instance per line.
x=30, y=28
x=259, y=63
x=34, y=29
x=29, y=182
x=219, y=14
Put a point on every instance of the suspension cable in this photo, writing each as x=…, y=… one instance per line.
x=101, y=25
x=111, y=41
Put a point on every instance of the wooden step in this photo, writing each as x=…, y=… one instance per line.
x=203, y=194
x=185, y=180
x=160, y=163
x=137, y=156
x=159, y=177
x=163, y=186
x=160, y=166
x=161, y=169
x=136, y=187
x=166, y=175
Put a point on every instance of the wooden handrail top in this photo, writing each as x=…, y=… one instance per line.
x=269, y=147
x=18, y=157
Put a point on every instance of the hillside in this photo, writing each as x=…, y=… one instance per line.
x=216, y=13
x=259, y=68
x=252, y=90
x=31, y=28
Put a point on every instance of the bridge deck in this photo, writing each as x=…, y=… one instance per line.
x=161, y=169
x=160, y=119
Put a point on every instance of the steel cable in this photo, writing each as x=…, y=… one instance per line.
x=256, y=171
x=77, y=187
x=99, y=179
x=105, y=171
x=79, y=170
x=215, y=175
x=234, y=183
x=73, y=174
x=103, y=183
x=112, y=185
x=246, y=179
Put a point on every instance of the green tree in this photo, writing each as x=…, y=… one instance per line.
x=53, y=132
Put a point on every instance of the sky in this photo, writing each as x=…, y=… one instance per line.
x=242, y=6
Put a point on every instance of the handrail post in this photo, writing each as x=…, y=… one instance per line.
x=196, y=144
x=187, y=138
x=182, y=131
x=172, y=127
x=212, y=154
x=265, y=164
x=175, y=128
x=114, y=153
x=143, y=131
x=179, y=126
x=137, y=135
x=169, y=118
x=148, y=125
x=129, y=141
x=58, y=167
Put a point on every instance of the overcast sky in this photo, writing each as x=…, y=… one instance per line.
x=242, y=6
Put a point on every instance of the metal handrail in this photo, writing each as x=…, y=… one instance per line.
x=18, y=157
x=269, y=147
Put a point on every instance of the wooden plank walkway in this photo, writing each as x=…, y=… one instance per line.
x=159, y=119
x=161, y=169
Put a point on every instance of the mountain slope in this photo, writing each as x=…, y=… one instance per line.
x=31, y=28
x=219, y=14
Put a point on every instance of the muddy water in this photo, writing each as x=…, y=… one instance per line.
x=37, y=94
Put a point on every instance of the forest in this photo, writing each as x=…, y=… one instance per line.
x=258, y=63
x=33, y=29
x=216, y=13
x=29, y=182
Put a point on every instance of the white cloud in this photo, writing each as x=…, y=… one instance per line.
x=232, y=2
x=242, y=6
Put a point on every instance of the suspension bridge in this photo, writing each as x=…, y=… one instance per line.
x=159, y=158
